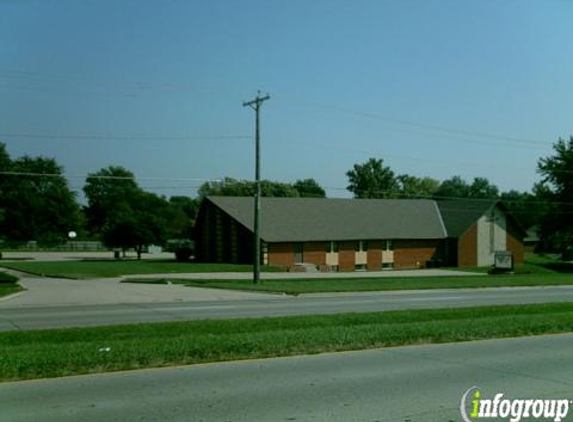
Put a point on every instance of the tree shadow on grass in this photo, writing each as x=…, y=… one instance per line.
x=559, y=267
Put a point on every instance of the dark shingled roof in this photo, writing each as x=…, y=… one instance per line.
x=459, y=215
x=318, y=219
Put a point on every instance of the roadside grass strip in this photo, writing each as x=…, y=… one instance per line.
x=326, y=285
x=8, y=284
x=115, y=268
x=64, y=352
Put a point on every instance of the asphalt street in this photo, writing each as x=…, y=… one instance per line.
x=24, y=318
x=404, y=384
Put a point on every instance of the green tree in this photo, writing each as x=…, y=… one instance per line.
x=528, y=208
x=417, y=187
x=233, y=187
x=36, y=202
x=481, y=188
x=5, y=166
x=182, y=213
x=309, y=188
x=138, y=223
x=372, y=180
x=105, y=191
x=557, y=185
x=455, y=187
x=122, y=214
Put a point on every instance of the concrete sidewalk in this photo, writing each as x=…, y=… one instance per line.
x=295, y=276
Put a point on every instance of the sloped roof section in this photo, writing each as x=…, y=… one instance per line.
x=459, y=215
x=318, y=219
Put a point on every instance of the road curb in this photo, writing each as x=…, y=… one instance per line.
x=12, y=296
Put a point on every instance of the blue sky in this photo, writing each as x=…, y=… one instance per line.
x=153, y=86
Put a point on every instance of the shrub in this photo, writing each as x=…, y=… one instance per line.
x=567, y=254
x=183, y=253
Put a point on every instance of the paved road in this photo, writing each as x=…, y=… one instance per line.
x=406, y=384
x=273, y=305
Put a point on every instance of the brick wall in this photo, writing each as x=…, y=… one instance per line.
x=281, y=254
x=374, y=256
x=467, y=248
x=408, y=253
x=514, y=241
x=314, y=253
x=346, y=256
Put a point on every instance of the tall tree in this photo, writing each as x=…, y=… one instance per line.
x=528, y=208
x=454, y=187
x=309, y=188
x=138, y=223
x=372, y=180
x=121, y=213
x=233, y=187
x=417, y=187
x=182, y=213
x=105, y=190
x=36, y=201
x=557, y=172
x=481, y=188
x=5, y=166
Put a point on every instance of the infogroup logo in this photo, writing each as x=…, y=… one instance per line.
x=475, y=407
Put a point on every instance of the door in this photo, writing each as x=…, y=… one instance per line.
x=298, y=253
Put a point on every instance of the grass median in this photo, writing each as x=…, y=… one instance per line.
x=9, y=284
x=63, y=352
x=326, y=285
x=115, y=268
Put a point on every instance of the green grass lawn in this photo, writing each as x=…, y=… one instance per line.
x=52, y=353
x=301, y=286
x=537, y=271
x=8, y=284
x=115, y=268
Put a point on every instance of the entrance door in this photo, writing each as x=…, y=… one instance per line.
x=298, y=253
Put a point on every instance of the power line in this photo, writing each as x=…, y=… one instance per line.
x=455, y=198
x=434, y=127
x=93, y=176
x=121, y=137
x=143, y=86
x=394, y=194
x=371, y=153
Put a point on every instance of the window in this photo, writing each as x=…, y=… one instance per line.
x=361, y=246
x=332, y=247
x=388, y=245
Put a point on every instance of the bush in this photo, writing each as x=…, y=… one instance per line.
x=182, y=248
x=567, y=254
x=183, y=253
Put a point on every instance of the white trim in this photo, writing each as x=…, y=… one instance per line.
x=441, y=219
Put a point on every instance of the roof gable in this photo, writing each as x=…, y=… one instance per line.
x=461, y=214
